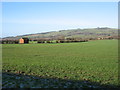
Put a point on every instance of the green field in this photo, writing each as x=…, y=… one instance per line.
x=94, y=61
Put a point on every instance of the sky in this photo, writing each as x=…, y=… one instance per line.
x=19, y=18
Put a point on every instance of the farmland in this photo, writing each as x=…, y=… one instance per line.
x=93, y=61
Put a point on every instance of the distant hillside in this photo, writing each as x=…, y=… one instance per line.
x=73, y=33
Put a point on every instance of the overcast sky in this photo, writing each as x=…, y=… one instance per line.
x=34, y=17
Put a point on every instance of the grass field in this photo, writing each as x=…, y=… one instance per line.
x=94, y=61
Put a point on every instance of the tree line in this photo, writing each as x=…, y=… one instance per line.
x=57, y=40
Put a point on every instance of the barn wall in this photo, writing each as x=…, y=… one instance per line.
x=21, y=40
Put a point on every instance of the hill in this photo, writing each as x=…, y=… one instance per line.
x=73, y=33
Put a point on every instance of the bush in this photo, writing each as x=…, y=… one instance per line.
x=48, y=42
x=9, y=41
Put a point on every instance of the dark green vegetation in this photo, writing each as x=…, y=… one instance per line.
x=94, y=61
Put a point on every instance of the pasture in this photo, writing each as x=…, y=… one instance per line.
x=93, y=61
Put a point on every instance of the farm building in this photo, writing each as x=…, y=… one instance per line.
x=23, y=40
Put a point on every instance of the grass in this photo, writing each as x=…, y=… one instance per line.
x=95, y=61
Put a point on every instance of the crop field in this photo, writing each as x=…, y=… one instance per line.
x=93, y=61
